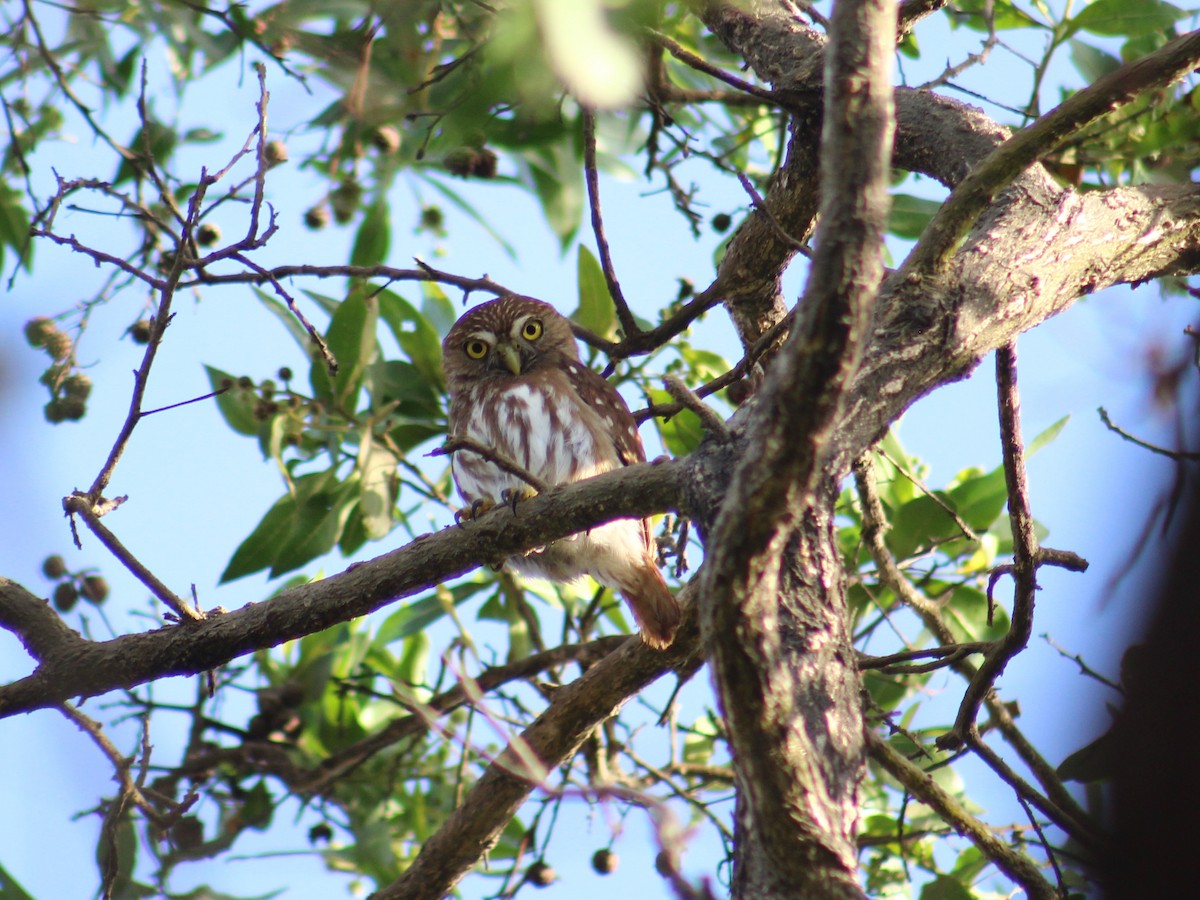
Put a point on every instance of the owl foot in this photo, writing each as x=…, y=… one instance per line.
x=474, y=511
x=512, y=496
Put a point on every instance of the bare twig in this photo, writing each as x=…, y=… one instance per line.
x=709, y=420
x=456, y=444
x=81, y=505
x=331, y=363
x=760, y=204
x=1025, y=552
x=700, y=64
x=629, y=326
x=1153, y=448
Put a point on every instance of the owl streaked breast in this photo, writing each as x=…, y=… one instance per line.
x=518, y=387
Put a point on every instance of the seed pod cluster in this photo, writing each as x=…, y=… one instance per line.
x=69, y=389
x=73, y=585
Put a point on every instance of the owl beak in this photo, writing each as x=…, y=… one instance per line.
x=510, y=356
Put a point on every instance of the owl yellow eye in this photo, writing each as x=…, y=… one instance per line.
x=532, y=330
x=478, y=349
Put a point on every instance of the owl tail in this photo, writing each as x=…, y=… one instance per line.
x=653, y=605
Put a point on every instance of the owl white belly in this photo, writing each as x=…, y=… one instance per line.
x=550, y=436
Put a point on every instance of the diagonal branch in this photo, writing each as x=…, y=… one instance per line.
x=71, y=667
x=473, y=828
x=1012, y=862
x=961, y=210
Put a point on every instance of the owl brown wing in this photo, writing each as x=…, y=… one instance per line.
x=610, y=406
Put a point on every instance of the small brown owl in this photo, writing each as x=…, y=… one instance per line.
x=517, y=386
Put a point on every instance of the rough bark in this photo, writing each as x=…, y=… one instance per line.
x=774, y=613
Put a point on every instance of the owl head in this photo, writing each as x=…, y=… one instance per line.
x=505, y=338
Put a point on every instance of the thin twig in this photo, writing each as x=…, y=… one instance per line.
x=1153, y=448
x=81, y=505
x=709, y=420
x=456, y=444
x=331, y=363
x=688, y=58
x=629, y=326
x=1025, y=552
x=208, y=396
x=1008, y=859
x=757, y=201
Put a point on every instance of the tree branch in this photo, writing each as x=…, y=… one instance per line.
x=575, y=711
x=773, y=641
x=1010, y=861
x=71, y=667
x=961, y=210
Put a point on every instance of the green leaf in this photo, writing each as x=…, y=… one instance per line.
x=258, y=550
x=983, y=15
x=14, y=226
x=943, y=887
x=436, y=307
x=377, y=468
x=258, y=807
x=420, y=614
x=298, y=528
x=155, y=139
x=1127, y=18
x=416, y=336
x=909, y=215
x=279, y=309
x=1097, y=761
x=966, y=614
x=10, y=889
x=413, y=664
x=374, y=237
x=596, y=311
x=315, y=528
x=681, y=434
x=237, y=404
x=396, y=380
x=465, y=207
x=351, y=339
x=1092, y=62
x=1047, y=436
x=560, y=189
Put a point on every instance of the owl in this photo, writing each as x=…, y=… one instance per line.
x=518, y=387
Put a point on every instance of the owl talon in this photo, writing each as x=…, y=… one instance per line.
x=474, y=511
x=512, y=496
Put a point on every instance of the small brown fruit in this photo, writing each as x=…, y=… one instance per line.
x=721, y=222
x=386, y=139
x=345, y=200
x=605, y=862
x=39, y=330
x=77, y=386
x=95, y=588
x=65, y=596
x=320, y=833
x=207, y=234
x=140, y=331
x=540, y=875
x=317, y=217
x=62, y=409
x=276, y=152
x=58, y=345
x=54, y=567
